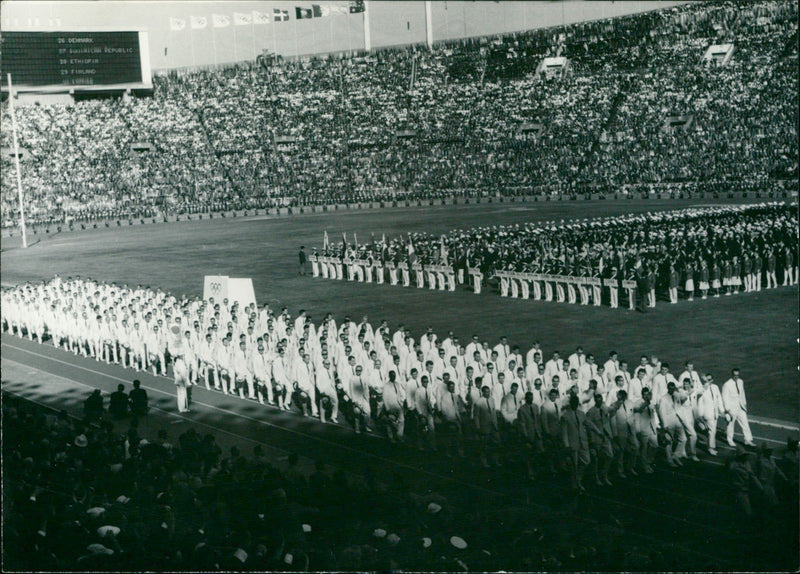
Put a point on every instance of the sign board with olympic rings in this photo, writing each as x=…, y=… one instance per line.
x=222, y=287
x=215, y=286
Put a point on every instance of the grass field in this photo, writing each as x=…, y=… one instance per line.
x=757, y=332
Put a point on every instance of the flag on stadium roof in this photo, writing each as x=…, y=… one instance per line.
x=336, y=9
x=303, y=13
x=177, y=24
x=260, y=17
x=198, y=22
x=356, y=6
x=220, y=20
x=242, y=19
x=280, y=15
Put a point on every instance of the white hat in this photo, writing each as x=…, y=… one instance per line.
x=379, y=533
x=393, y=539
x=433, y=508
x=104, y=530
x=458, y=542
x=96, y=511
x=99, y=549
x=426, y=542
x=306, y=528
x=123, y=499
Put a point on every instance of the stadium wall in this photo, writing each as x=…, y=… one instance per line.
x=390, y=24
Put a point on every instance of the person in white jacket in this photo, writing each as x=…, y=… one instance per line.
x=306, y=385
x=223, y=360
x=358, y=391
x=280, y=379
x=735, y=402
x=242, y=375
x=261, y=367
x=709, y=409
x=177, y=348
x=326, y=392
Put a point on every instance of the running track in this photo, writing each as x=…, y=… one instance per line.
x=692, y=506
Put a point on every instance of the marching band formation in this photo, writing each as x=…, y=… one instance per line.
x=711, y=250
x=440, y=393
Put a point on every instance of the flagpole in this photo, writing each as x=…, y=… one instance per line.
x=16, y=161
x=214, y=41
x=296, y=53
x=365, y=20
x=191, y=41
x=253, y=35
x=235, y=57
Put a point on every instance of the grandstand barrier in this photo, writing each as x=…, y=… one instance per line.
x=630, y=195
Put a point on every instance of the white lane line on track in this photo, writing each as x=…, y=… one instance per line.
x=266, y=423
x=152, y=407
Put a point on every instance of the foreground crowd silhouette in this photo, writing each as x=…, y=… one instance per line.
x=466, y=118
x=85, y=496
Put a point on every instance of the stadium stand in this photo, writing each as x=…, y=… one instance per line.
x=457, y=120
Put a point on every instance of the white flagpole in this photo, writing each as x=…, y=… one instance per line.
x=235, y=57
x=365, y=20
x=191, y=39
x=214, y=42
x=16, y=161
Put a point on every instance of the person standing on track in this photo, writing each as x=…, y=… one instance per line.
x=179, y=368
x=302, y=258
x=138, y=399
x=735, y=402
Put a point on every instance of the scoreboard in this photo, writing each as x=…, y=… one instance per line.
x=75, y=60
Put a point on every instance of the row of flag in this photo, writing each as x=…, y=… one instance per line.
x=257, y=17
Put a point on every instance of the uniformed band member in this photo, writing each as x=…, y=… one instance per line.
x=694, y=242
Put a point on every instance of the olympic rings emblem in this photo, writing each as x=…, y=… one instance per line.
x=215, y=286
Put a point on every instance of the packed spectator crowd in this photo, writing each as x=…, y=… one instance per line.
x=468, y=117
x=716, y=250
x=493, y=401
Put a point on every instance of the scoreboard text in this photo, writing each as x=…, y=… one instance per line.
x=71, y=58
